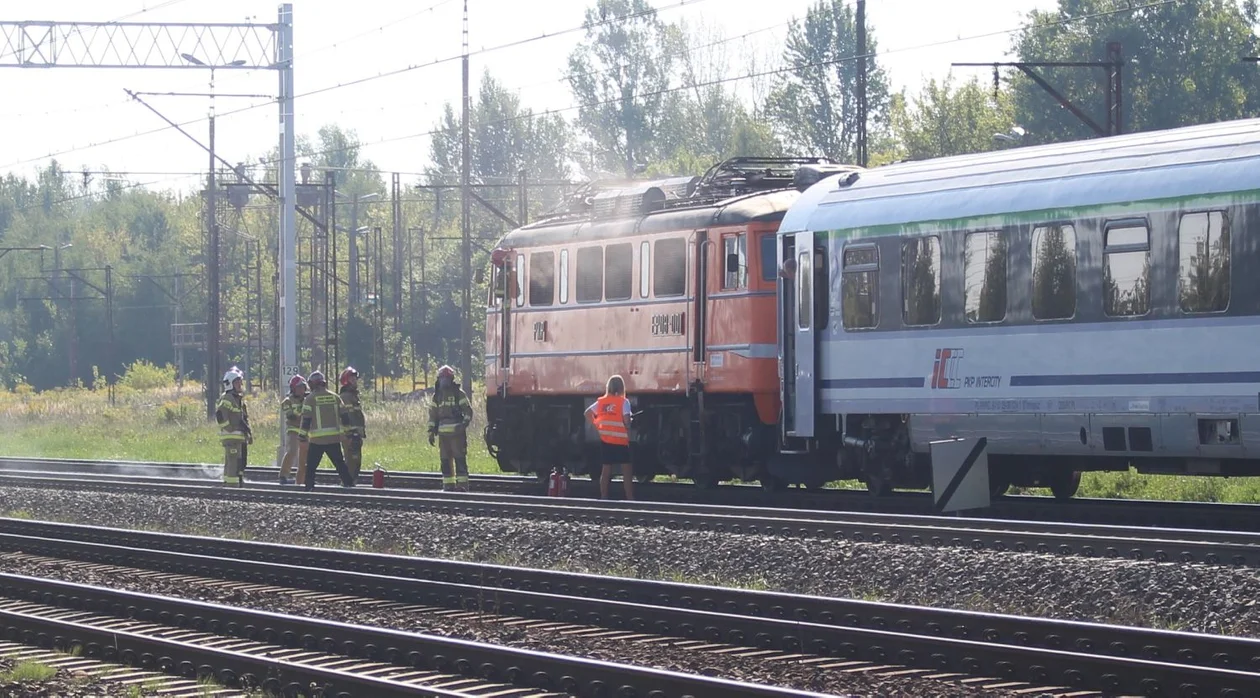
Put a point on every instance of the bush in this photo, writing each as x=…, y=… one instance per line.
x=180, y=411
x=143, y=375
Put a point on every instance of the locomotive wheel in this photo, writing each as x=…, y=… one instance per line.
x=1064, y=483
x=706, y=481
x=645, y=478
x=770, y=483
x=878, y=484
x=998, y=485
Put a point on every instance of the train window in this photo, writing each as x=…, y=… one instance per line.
x=496, y=285
x=618, y=272
x=518, y=278
x=669, y=278
x=859, y=287
x=590, y=274
x=921, y=281
x=1127, y=269
x=1203, y=283
x=736, y=245
x=804, y=291
x=564, y=276
x=645, y=278
x=822, y=289
x=768, y=257
x=542, y=278
x=1054, y=272
x=984, y=277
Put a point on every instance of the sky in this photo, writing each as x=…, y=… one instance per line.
x=83, y=117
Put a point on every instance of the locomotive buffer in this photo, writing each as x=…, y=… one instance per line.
x=960, y=474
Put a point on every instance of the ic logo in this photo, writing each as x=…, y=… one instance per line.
x=945, y=369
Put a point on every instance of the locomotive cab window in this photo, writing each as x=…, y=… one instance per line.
x=669, y=275
x=984, y=277
x=734, y=261
x=1127, y=269
x=1203, y=279
x=518, y=280
x=859, y=287
x=769, y=259
x=496, y=285
x=921, y=281
x=1054, y=272
x=804, y=291
x=618, y=272
x=590, y=274
x=645, y=278
x=564, y=277
x=542, y=278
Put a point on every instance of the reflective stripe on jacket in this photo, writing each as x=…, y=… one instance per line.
x=450, y=411
x=232, y=416
x=323, y=418
x=610, y=420
x=291, y=411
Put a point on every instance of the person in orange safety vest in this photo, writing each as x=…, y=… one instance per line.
x=611, y=416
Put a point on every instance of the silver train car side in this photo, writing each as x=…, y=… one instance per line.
x=1085, y=306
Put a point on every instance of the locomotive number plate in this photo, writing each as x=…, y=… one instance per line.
x=668, y=324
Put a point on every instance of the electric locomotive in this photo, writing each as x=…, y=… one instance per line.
x=669, y=283
x=1085, y=306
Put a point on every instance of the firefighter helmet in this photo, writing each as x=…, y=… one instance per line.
x=295, y=381
x=316, y=377
x=232, y=375
x=347, y=374
x=446, y=372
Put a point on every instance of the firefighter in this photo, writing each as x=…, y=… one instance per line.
x=611, y=416
x=294, y=449
x=450, y=413
x=358, y=425
x=234, y=432
x=323, y=430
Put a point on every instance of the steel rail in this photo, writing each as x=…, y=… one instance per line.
x=1197, y=515
x=1137, y=543
x=1089, y=655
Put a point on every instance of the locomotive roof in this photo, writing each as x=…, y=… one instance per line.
x=1193, y=161
x=768, y=206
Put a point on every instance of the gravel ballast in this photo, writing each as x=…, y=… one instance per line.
x=1167, y=595
x=774, y=672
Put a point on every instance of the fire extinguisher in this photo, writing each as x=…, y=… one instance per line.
x=378, y=477
x=558, y=485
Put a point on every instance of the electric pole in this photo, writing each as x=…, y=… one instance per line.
x=465, y=200
x=863, y=62
x=212, y=282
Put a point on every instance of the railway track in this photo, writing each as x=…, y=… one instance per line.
x=1088, y=540
x=1038, y=652
x=1194, y=515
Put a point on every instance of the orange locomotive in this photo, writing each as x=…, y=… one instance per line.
x=670, y=284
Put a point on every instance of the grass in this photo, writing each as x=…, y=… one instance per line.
x=169, y=424
x=28, y=672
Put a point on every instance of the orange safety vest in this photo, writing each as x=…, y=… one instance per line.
x=609, y=421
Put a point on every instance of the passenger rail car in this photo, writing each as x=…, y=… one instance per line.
x=670, y=284
x=1084, y=306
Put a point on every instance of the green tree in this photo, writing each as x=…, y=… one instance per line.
x=621, y=75
x=1182, y=65
x=948, y=119
x=814, y=106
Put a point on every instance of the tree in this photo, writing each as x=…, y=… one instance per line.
x=945, y=119
x=620, y=76
x=814, y=107
x=1182, y=65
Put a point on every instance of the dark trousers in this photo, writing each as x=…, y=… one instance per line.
x=315, y=454
x=354, y=457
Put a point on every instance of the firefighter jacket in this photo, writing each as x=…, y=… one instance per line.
x=291, y=412
x=233, y=417
x=353, y=408
x=450, y=411
x=323, y=417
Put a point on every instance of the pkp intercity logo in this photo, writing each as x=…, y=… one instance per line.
x=946, y=374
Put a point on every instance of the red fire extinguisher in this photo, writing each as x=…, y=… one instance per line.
x=378, y=477
x=558, y=485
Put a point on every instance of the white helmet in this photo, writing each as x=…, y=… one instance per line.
x=232, y=375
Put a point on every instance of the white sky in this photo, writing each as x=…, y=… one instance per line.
x=64, y=109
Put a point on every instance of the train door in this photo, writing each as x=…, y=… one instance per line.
x=699, y=305
x=798, y=335
x=506, y=291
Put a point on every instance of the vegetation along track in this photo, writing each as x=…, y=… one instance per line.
x=1111, y=659
x=1089, y=540
x=1118, y=512
x=285, y=655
